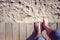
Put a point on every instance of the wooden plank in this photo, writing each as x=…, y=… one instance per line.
x=2, y=31
x=8, y=31
x=15, y=31
x=22, y=31
x=30, y=30
x=53, y=25
x=58, y=26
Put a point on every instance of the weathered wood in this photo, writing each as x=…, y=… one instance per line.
x=53, y=25
x=15, y=31
x=22, y=31
x=30, y=29
x=58, y=26
x=8, y=31
x=2, y=31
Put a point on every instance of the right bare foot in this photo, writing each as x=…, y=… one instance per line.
x=45, y=25
x=45, y=22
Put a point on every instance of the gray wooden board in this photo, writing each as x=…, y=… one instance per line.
x=8, y=31
x=15, y=31
x=58, y=26
x=22, y=31
x=2, y=31
x=30, y=29
x=53, y=25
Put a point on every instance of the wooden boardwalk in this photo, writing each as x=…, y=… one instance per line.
x=21, y=31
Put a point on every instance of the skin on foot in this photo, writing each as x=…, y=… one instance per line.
x=45, y=25
x=45, y=22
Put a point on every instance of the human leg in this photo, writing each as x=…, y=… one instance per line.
x=39, y=33
x=53, y=34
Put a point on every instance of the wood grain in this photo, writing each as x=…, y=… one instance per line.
x=2, y=31
x=22, y=31
x=8, y=31
x=15, y=31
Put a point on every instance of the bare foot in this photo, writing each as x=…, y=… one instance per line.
x=37, y=29
x=37, y=26
x=45, y=25
x=45, y=22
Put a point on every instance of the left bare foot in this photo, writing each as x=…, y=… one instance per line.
x=38, y=28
